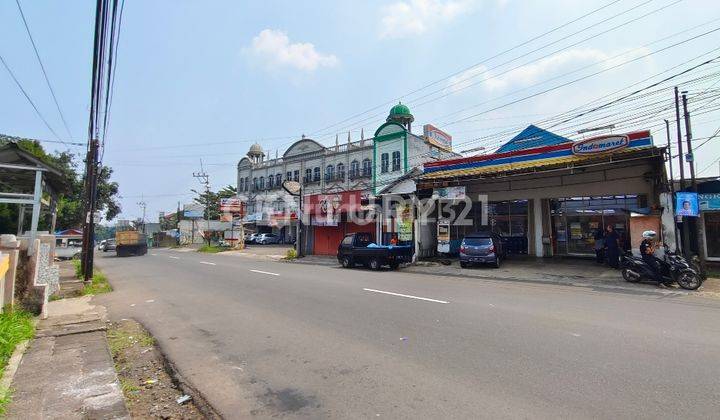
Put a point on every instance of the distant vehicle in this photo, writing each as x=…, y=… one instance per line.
x=267, y=238
x=107, y=245
x=66, y=249
x=130, y=242
x=250, y=238
x=358, y=248
x=482, y=248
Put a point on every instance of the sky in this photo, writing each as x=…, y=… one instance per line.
x=203, y=80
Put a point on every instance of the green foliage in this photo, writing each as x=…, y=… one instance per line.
x=213, y=198
x=78, y=268
x=98, y=285
x=5, y=399
x=211, y=249
x=291, y=254
x=15, y=327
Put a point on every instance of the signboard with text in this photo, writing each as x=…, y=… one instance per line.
x=601, y=144
x=437, y=137
x=709, y=201
x=686, y=204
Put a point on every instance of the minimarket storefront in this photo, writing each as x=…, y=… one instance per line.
x=550, y=199
x=329, y=217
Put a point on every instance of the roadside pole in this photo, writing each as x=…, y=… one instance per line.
x=699, y=222
x=685, y=229
x=672, y=183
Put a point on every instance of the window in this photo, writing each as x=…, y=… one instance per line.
x=278, y=179
x=271, y=181
x=384, y=162
x=316, y=174
x=354, y=169
x=367, y=167
x=262, y=182
x=340, y=171
x=329, y=173
x=288, y=176
x=255, y=183
x=308, y=175
x=348, y=240
x=296, y=175
x=396, y=161
x=241, y=185
x=247, y=183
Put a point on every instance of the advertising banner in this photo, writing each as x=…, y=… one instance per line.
x=193, y=211
x=686, y=204
x=709, y=201
x=437, y=137
x=231, y=205
x=450, y=193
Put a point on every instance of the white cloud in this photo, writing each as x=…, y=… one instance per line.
x=547, y=67
x=414, y=17
x=274, y=49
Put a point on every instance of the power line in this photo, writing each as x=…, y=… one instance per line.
x=37, y=111
x=42, y=67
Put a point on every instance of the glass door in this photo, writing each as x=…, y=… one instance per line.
x=581, y=232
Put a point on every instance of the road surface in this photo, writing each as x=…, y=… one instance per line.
x=267, y=339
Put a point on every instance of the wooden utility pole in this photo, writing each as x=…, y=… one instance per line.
x=685, y=228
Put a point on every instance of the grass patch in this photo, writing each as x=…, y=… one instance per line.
x=120, y=340
x=15, y=327
x=211, y=249
x=291, y=254
x=78, y=268
x=98, y=285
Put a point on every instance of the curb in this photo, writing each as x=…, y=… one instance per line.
x=13, y=365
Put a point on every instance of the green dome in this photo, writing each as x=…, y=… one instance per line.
x=400, y=113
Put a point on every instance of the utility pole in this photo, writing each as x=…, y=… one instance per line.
x=672, y=182
x=177, y=224
x=204, y=179
x=699, y=221
x=685, y=228
x=142, y=204
x=91, y=169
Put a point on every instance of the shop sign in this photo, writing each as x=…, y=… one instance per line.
x=449, y=193
x=602, y=144
x=193, y=211
x=709, y=201
x=437, y=137
x=231, y=205
x=404, y=223
x=686, y=204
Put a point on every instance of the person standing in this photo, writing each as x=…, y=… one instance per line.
x=599, y=245
x=612, y=246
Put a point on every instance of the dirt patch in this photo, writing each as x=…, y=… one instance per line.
x=150, y=390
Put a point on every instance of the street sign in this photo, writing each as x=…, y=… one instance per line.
x=292, y=187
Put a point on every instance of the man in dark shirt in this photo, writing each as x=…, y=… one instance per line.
x=647, y=251
x=613, y=247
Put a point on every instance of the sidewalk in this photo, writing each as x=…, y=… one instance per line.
x=562, y=271
x=67, y=371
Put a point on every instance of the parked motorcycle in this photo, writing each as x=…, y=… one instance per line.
x=673, y=268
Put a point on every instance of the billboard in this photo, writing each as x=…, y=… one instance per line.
x=193, y=211
x=686, y=204
x=709, y=201
x=231, y=205
x=437, y=137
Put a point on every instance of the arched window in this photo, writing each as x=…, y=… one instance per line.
x=247, y=183
x=288, y=176
x=241, y=185
x=271, y=181
x=308, y=175
x=367, y=167
x=396, y=161
x=255, y=183
x=384, y=162
x=340, y=171
x=278, y=179
x=316, y=174
x=329, y=173
x=262, y=182
x=354, y=169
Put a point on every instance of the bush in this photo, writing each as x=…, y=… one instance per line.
x=78, y=268
x=291, y=254
x=211, y=249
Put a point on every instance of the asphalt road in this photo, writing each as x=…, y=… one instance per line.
x=269, y=339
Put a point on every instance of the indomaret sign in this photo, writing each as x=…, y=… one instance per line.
x=601, y=144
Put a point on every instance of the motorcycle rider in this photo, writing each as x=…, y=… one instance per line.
x=647, y=251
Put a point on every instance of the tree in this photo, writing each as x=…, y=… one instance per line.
x=212, y=211
x=70, y=204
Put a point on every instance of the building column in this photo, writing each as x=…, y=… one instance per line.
x=538, y=226
x=37, y=202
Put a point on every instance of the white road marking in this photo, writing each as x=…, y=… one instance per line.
x=405, y=296
x=208, y=263
x=575, y=335
x=150, y=301
x=173, y=257
x=132, y=304
x=265, y=272
x=154, y=255
x=491, y=305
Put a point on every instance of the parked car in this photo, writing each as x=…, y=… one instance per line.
x=267, y=238
x=109, y=245
x=358, y=248
x=482, y=248
x=67, y=249
x=250, y=238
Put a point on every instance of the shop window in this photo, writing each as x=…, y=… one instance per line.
x=384, y=162
x=396, y=161
x=340, y=171
x=367, y=167
x=316, y=174
x=354, y=169
x=712, y=232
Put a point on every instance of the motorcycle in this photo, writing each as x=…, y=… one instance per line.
x=673, y=268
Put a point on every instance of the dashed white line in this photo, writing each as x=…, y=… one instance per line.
x=207, y=263
x=265, y=272
x=173, y=257
x=150, y=301
x=154, y=255
x=405, y=296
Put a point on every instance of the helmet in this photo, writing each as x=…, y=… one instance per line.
x=649, y=234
